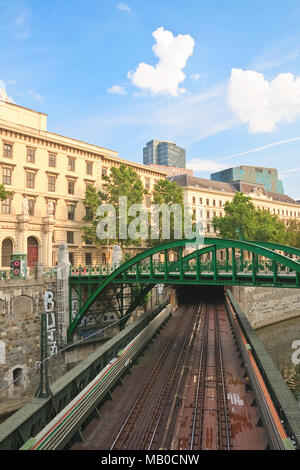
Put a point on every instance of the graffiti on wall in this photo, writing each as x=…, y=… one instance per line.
x=49, y=305
x=87, y=320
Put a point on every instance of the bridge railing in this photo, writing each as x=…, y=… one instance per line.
x=245, y=266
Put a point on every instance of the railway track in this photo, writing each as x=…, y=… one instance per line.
x=150, y=410
x=158, y=412
x=188, y=401
x=195, y=396
x=206, y=407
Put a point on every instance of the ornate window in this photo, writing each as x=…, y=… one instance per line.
x=31, y=155
x=51, y=183
x=71, y=187
x=30, y=177
x=7, y=150
x=71, y=211
x=7, y=250
x=89, y=168
x=71, y=164
x=6, y=206
x=7, y=173
x=52, y=160
x=70, y=237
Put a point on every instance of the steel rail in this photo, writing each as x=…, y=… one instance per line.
x=151, y=379
x=181, y=359
x=171, y=415
x=201, y=373
x=154, y=372
x=220, y=369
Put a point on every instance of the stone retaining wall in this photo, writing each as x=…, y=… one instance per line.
x=265, y=306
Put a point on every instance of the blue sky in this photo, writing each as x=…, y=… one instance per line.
x=219, y=78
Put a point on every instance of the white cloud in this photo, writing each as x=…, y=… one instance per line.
x=198, y=164
x=188, y=119
x=117, y=89
x=196, y=76
x=123, y=7
x=173, y=53
x=292, y=170
x=262, y=104
x=3, y=94
x=15, y=19
x=36, y=95
x=22, y=29
x=283, y=51
x=264, y=147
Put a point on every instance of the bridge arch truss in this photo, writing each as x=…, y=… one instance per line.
x=215, y=262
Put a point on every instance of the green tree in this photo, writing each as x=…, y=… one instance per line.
x=3, y=193
x=269, y=228
x=123, y=181
x=241, y=219
x=293, y=233
x=168, y=193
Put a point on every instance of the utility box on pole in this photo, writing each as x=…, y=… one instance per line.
x=18, y=266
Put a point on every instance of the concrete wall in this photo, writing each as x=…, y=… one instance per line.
x=264, y=306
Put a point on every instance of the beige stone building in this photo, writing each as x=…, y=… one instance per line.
x=207, y=198
x=48, y=175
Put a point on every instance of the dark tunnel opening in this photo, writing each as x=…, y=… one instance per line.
x=191, y=294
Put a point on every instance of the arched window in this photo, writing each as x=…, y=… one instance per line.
x=17, y=374
x=32, y=252
x=7, y=250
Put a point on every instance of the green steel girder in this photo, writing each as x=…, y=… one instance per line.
x=272, y=246
x=279, y=247
x=135, y=303
x=122, y=272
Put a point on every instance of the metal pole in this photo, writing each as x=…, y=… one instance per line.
x=44, y=390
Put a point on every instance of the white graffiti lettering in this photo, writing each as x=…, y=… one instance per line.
x=49, y=305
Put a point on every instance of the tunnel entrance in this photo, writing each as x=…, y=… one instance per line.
x=192, y=294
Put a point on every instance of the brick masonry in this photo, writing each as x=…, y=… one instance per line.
x=21, y=305
x=265, y=306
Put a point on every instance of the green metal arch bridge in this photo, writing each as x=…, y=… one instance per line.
x=264, y=265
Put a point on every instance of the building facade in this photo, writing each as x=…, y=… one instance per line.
x=48, y=175
x=165, y=153
x=173, y=170
x=268, y=177
x=206, y=198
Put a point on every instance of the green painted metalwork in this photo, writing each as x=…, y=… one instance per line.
x=136, y=302
x=279, y=247
x=255, y=273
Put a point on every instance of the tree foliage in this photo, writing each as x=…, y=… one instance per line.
x=241, y=219
x=123, y=181
x=166, y=192
x=293, y=233
x=3, y=193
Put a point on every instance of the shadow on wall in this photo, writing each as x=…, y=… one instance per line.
x=192, y=294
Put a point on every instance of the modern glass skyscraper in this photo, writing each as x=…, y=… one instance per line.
x=267, y=177
x=161, y=152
